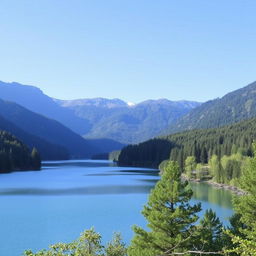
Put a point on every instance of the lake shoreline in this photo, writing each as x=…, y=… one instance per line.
x=231, y=188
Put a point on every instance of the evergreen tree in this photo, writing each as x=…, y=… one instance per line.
x=171, y=219
x=116, y=247
x=204, y=156
x=245, y=206
x=190, y=165
x=210, y=233
x=36, y=159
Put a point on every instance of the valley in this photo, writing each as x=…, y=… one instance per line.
x=61, y=133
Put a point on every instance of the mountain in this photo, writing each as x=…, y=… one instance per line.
x=14, y=155
x=99, y=118
x=105, y=145
x=233, y=107
x=47, y=129
x=47, y=150
x=35, y=100
x=96, y=102
x=127, y=123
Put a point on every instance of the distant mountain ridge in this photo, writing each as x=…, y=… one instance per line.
x=97, y=102
x=233, y=107
x=121, y=121
x=35, y=100
x=108, y=119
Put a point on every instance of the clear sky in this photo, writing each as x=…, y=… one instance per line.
x=129, y=49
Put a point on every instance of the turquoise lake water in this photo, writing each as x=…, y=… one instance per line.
x=56, y=204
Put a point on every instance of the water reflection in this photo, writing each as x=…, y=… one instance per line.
x=78, y=163
x=120, y=174
x=96, y=190
x=66, y=197
x=207, y=193
x=141, y=171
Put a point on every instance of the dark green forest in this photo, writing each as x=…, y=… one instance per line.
x=202, y=144
x=14, y=155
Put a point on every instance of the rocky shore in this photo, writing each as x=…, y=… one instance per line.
x=233, y=189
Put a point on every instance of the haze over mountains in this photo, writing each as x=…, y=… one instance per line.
x=81, y=128
x=101, y=118
x=126, y=123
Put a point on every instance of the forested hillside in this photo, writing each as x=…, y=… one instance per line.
x=47, y=129
x=14, y=155
x=47, y=150
x=201, y=144
x=234, y=107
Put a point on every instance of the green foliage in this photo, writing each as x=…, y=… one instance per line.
x=231, y=166
x=35, y=159
x=14, y=155
x=209, y=233
x=150, y=153
x=88, y=244
x=244, y=235
x=162, y=166
x=226, y=150
x=113, y=156
x=200, y=171
x=246, y=205
x=171, y=219
x=242, y=246
x=228, y=169
x=190, y=165
x=202, y=144
x=215, y=168
x=116, y=247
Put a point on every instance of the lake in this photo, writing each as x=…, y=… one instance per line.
x=56, y=204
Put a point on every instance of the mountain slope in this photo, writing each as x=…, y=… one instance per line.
x=47, y=129
x=233, y=107
x=35, y=100
x=117, y=120
x=47, y=150
x=14, y=155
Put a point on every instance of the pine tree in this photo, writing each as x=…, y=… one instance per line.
x=245, y=206
x=210, y=233
x=116, y=247
x=190, y=165
x=171, y=219
x=36, y=159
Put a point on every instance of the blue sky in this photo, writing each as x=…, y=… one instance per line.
x=130, y=49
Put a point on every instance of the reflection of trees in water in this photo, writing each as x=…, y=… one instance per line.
x=206, y=192
x=93, y=190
